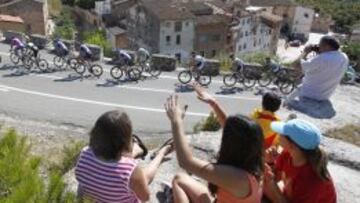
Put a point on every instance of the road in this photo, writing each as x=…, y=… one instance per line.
x=64, y=98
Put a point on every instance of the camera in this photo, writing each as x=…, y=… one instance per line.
x=315, y=48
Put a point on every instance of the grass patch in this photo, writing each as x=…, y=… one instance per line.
x=211, y=124
x=349, y=133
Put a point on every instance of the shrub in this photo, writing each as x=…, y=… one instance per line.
x=20, y=175
x=65, y=26
x=258, y=57
x=55, y=7
x=352, y=49
x=98, y=37
x=86, y=4
x=211, y=123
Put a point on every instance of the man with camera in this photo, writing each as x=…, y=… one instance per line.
x=321, y=73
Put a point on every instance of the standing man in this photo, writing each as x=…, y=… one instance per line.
x=322, y=73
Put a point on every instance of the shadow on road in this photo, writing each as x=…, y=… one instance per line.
x=70, y=78
x=181, y=88
x=8, y=67
x=229, y=90
x=113, y=83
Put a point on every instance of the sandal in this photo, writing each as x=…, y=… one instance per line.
x=168, y=142
x=137, y=140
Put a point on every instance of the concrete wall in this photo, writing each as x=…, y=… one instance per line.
x=187, y=34
x=33, y=12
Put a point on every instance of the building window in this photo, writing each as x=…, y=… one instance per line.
x=255, y=43
x=186, y=23
x=246, y=33
x=306, y=15
x=244, y=46
x=240, y=47
x=168, y=40
x=216, y=37
x=285, y=15
x=203, y=38
x=178, y=26
x=228, y=38
x=168, y=24
x=202, y=53
x=243, y=21
x=248, y=21
x=178, y=39
x=178, y=56
x=241, y=34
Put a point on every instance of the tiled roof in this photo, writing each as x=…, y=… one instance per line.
x=212, y=19
x=116, y=30
x=8, y=18
x=168, y=10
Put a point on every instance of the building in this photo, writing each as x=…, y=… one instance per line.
x=34, y=13
x=117, y=37
x=255, y=30
x=161, y=26
x=120, y=8
x=297, y=20
x=13, y=23
x=103, y=7
x=322, y=23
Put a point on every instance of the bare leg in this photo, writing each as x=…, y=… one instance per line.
x=186, y=189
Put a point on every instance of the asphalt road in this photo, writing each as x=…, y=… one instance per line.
x=65, y=98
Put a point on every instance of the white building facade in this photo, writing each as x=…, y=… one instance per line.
x=103, y=7
x=303, y=20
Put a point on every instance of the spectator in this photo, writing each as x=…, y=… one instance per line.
x=107, y=170
x=322, y=73
x=302, y=166
x=270, y=104
x=237, y=174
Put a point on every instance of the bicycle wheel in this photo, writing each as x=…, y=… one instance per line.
x=116, y=72
x=15, y=59
x=96, y=70
x=248, y=82
x=282, y=76
x=230, y=80
x=73, y=63
x=80, y=68
x=43, y=65
x=134, y=74
x=28, y=62
x=155, y=72
x=286, y=87
x=204, y=80
x=265, y=79
x=58, y=62
x=185, y=77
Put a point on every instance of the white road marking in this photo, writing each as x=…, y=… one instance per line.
x=3, y=89
x=155, y=89
x=54, y=96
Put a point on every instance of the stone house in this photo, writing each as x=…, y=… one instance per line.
x=117, y=37
x=255, y=30
x=322, y=23
x=33, y=12
x=161, y=26
x=297, y=20
x=13, y=23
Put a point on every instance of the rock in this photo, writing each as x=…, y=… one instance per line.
x=164, y=62
x=8, y=35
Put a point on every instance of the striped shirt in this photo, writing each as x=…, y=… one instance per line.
x=105, y=182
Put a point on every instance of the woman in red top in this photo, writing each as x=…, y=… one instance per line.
x=302, y=166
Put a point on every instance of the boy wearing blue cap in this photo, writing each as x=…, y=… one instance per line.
x=302, y=166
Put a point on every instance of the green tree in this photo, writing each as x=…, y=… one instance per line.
x=65, y=26
x=86, y=4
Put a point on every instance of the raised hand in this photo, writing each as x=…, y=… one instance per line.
x=173, y=110
x=202, y=94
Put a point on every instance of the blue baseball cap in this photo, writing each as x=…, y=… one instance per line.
x=303, y=133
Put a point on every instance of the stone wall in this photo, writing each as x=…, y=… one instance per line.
x=212, y=67
x=39, y=40
x=33, y=12
x=164, y=62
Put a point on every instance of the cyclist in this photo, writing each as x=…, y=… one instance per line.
x=238, y=64
x=33, y=48
x=123, y=57
x=197, y=62
x=85, y=53
x=60, y=48
x=274, y=67
x=17, y=45
x=143, y=55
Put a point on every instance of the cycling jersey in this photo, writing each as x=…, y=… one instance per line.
x=199, y=62
x=238, y=64
x=143, y=55
x=33, y=48
x=16, y=42
x=85, y=52
x=61, y=48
